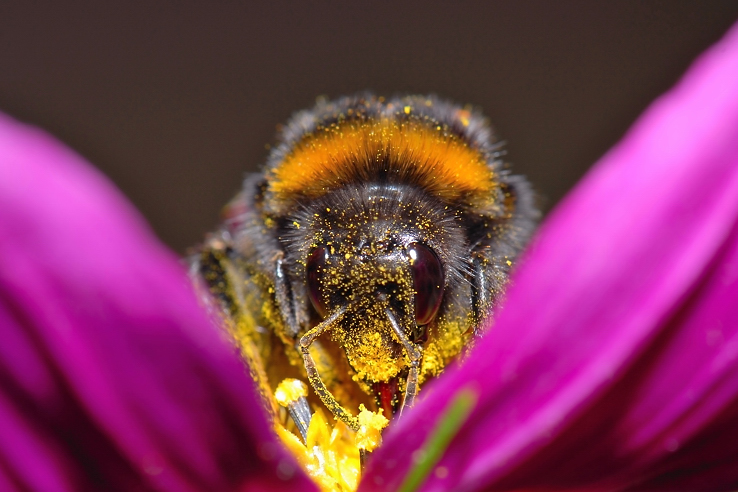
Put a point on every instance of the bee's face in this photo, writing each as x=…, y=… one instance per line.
x=365, y=278
x=366, y=284
x=365, y=258
x=373, y=278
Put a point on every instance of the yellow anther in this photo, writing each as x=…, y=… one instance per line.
x=369, y=436
x=289, y=391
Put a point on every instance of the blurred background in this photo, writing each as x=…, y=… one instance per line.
x=175, y=101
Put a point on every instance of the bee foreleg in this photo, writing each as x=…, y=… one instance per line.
x=480, y=293
x=283, y=294
x=415, y=355
x=487, y=284
x=315, y=380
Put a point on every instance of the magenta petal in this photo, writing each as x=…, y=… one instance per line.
x=614, y=362
x=111, y=376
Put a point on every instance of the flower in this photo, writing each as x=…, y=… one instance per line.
x=111, y=376
x=612, y=365
x=614, y=361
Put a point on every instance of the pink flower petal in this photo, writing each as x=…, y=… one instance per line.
x=111, y=375
x=614, y=360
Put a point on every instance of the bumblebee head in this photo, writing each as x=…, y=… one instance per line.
x=380, y=256
x=385, y=287
x=372, y=276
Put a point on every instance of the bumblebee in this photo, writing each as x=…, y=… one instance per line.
x=368, y=253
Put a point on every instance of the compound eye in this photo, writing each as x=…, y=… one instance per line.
x=427, y=281
x=316, y=262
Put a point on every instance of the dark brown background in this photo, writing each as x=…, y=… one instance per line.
x=175, y=101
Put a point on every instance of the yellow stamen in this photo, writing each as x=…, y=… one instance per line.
x=369, y=436
x=289, y=391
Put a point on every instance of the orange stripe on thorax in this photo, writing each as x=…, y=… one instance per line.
x=410, y=151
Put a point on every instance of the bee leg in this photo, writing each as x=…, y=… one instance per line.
x=481, y=292
x=283, y=293
x=299, y=409
x=415, y=355
x=315, y=380
x=490, y=276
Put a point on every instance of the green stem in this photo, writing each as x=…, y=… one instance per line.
x=428, y=456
